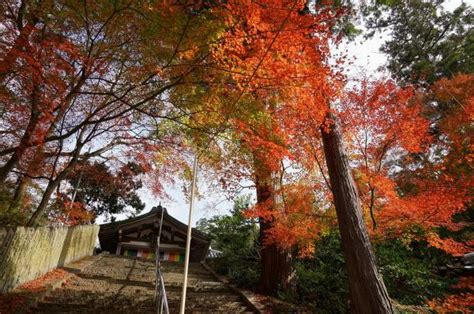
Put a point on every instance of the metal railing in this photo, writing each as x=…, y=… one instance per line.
x=161, y=299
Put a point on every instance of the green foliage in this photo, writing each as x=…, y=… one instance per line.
x=7, y=217
x=322, y=280
x=12, y=214
x=411, y=273
x=466, y=233
x=102, y=191
x=236, y=237
x=426, y=42
x=242, y=272
x=412, y=270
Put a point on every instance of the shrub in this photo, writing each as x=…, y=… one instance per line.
x=411, y=273
x=237, y=238
x=322, y=280
x=244, y=272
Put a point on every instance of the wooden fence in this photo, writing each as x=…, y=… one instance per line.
x=27, y=253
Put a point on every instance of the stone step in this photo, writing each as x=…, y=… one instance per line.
x=118, y=285
x=170, y=287
x=170, y=291
x=139, y=311
x=111, y=298
x=49, y=307
x=141, y=280
x=115, y=284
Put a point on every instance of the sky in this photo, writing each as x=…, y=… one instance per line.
x=366, y=59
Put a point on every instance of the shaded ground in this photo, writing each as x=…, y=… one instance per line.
x=114, y=284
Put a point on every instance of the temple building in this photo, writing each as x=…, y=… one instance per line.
x=137, y=237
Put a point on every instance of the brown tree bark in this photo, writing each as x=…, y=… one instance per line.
x=275, y=262
x=16, y=204
x=24, y=144
x=52, y=185
x=367, y=290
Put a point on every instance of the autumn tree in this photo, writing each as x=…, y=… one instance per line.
x=101, y=191
x=438, y=187
x=382, y=123
x=437, y=61
x=258, y=56
x=77, y=75
x=291, y=83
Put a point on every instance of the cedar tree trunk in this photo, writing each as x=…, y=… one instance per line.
x=367, y=290
x=275, y=262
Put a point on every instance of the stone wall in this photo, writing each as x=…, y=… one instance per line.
x=27, y=253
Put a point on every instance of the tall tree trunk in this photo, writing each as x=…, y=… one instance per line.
x=25, y=140
x=275, y=262
x=52, y=185
x=367, y=290
x=8, y=166
x=17, y=202
x=35, y=218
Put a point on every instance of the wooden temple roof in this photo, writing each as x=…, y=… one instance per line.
x=151, y=218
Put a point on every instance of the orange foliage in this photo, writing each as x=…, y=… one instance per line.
x=276, y=57
x=70, y=213
x=18, y=302
x=381, y=122
x=35, y=67
x=39, y=284
x=379, y=116
x=433, y=206
x=277, y=66
x=75, y=213
x=277, y=89
x=449, y=245
x=443, y=187
x=463, y=302
x=457, y=98
x=387, y=133
x=298, y=223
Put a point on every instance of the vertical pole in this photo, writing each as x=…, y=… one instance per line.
x=159, y=288
x=188, y=240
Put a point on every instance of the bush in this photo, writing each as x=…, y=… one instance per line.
x=321, y=281
x=411, y=273
x=236, y=237
x=244, y=272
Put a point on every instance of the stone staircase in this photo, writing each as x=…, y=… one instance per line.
x=117, y=284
